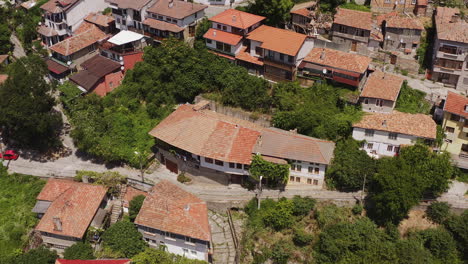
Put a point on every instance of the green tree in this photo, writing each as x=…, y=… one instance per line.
x=135, y=206
x=302, y=205
x=154, y=256
x=438, y=212
x=124, y=239
x=275, y=11
x=349, y=166
x=79, y=251
x=41, y=255
x=457, y=225
x=329, y=6
x=441, y=244
x=280, y=216
x=27, y=107
x=5, y=44
x=203, y=26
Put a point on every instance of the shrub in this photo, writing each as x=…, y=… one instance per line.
x=357, y=209
x=280, y=216
x=441, y=244
x=281, y=252
x=135, y=206
x=302, y=205
x=79, y=251
x=438, y=212
x=301, y=238
x=182, y=178
x=124, y=240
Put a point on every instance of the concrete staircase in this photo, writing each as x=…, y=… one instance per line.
x=224, y=251
x=116, y=211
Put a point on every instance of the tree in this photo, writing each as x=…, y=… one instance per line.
x=457, y=225
x=280, y=216
x=154, y=256
x=349, y=166
x=79, y=251
x=27, y=107
x=329, y=6
x=276, y=174
x=275, y=11
x=203, y=26
x=302, y=205
x=441, y=244
x=41, y=255
x=5, y=44
x=124, y=239
x=438, y=212
x=135, y=206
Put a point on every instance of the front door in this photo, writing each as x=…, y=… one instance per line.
x=354, y=46
x=172, y=166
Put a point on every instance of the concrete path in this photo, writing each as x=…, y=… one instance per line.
x=18, y=51
x=456, y=195
x=224, y=251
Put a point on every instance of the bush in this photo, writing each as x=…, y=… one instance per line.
x=357, y=209
x=135, y=206
x=182, y=178
x=441, y=244
x=124, y=240
x=302, y=205
x=438, y=212
x=281, y=216
x=281, y=252
x=301, y=238
x=79, y=251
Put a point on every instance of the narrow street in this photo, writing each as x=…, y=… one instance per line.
x=18, y=51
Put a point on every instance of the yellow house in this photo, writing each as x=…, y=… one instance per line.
x=455, y=125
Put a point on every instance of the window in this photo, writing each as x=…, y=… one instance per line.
x=413, y=2
x=454, y=117
x=258, y=51
x=390, y=148
x=232, y=165
x=317, y=171
x=369, y=133
x=185, y=251
x=193, y=252
x=366, y=101
x=392, y=136
x=209, y=41
x=170, y=235
x=196, y=15
x=219, y=163
x=309, y=181
x=311, y=169
x=239, y=166
x=218, y=26
x=298, y=179
x=208, y=160
x=290, y=59
x=370, y=145
x=315, y=182
x=291, y=178
x=298, y=167
x=219, y=45
x=224, y=28
x=450, y=129
x=281, y=56
x=246, y=167
x=189, y=240
x=118, y=20
x=378, y=102
x=293, y=167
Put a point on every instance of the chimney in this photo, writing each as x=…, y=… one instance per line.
x=466, y=108
x=234, y=19
x=455, y=18
x=171, y=3
x=214, y=33
x=187, y=207
x=322, y=55
x=384, y=123
x=57, y=224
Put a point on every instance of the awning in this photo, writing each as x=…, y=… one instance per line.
x=124, y=37
x=56, y=67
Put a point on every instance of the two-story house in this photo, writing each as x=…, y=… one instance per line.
x=384, y=133
x=280, y=50
x=352, y=28
x=105, y=23
x=221, y=147
x=229, y=29
x=380, y=92
x=176, y=220
x=402, y=34
x=450, y=65
x=130, y=14
x=62, y=18
x=455, y=125
x=341, y=67
x=418, y=7
x=67, y=208
x=173, y=18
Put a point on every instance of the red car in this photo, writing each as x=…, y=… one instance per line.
x=9, y=155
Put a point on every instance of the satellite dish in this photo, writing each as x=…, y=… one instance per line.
x=69, y=63
x=324, y=71
x=121, y=63
x=122, y=68
x=121, y=58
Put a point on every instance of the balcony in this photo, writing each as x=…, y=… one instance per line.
x=450, y=56
x=438, y=68
x=350, y=36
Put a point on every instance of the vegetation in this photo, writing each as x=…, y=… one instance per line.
x=122, y=240
x=5, y=44
x=79, y=251
x=330, y=6
x=135, y=206
x=110, y=179
x=182, y=178
x=412, y=101
x=154, y=256
x=353, y=6
x=438, y=212
x=275, y=174
x=275, y=11
x=17, y=198
x=41, y=255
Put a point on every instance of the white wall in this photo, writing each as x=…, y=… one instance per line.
x=304, y=173
x=305, y=50
x=77, y=13
x=215, y=26
x=190, y=19
x=381, y=141
x=225, y=168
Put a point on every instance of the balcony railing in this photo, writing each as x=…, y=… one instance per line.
x=450, y=56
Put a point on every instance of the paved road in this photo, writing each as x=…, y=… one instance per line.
x=18, y=52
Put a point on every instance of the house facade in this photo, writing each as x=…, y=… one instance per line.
x=306, y=20
x=129, y=15
x=402, y=34
x=380, y=92
x=455, y=125
x=176, y=220
x=222, y=147
x=341, y=67
x=418, y=7
x=65, y=215
x=174, y=18
x=384, y=133
x=352, y=28
x=450, y=49
x=62, y=18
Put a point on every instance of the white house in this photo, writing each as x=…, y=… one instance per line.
x=130, y=14
x=175, y=219
x=62, y=18
x=383, y=133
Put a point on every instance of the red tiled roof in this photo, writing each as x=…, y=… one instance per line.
x=169, y=208
x=130, y=194
x=338, y=59
x=209, y=134
x=85, y=26
x=449, y=30
x=353, y=18
x=3, y=58
x=229, y=57
x=244, y=55
x=279, y=40
x=3, y=78
x=179, y=9
x=110, y=82
x=99, y=19
x=404, y=22
x=222, y=36
x=56, y=67
x=130, y=60
x=74, y=203
x=58, y=6
x=236, y=18
x=382, y=86
x=422, y=2
x=402, y=123
x=162, y=25
x=133, y=4
x=79, y=42
x=46, y=31
x=303, y=8
x=381, y=18
x=456, y=104
x=101, y=261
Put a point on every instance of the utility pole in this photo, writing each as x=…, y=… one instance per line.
x=363, y=186
x=141, y=166
x=259, y=191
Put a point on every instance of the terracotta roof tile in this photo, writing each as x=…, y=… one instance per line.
x=58, y=6
x=3, y=57
x=79, y=42
x=179, y=9
x=100, y=261
x=339, y=59
x=382, y=86
x=404, y=22
x=94, y=70
x=236, y=18
x=133, y=4
x=99, y=19
x=403, y=123
x=162, y=25
x=56, y=67
x=169, y=208
x=3, y=78
x=303, y=8
x=456, y=104
x=449, y=30
x=130, y=60
x=353, y=18
x=74, y=203
x=277, y=39
x=222, y=36
x=110, y=82
x=46, y=31
x=209, y=134
x=244, y=55
x=130, y=194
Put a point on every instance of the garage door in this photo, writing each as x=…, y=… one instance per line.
x=172, y=166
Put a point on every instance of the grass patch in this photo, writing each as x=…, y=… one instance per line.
x=354, y=6
x=412, y=101
x=17, y=198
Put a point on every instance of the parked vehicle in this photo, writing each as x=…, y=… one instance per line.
x=9, y=155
